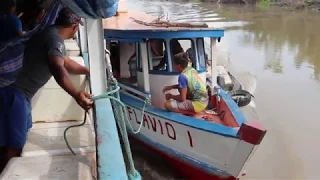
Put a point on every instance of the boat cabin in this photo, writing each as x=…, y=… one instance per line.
x=142, y=56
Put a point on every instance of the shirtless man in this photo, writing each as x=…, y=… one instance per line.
x=44, y=57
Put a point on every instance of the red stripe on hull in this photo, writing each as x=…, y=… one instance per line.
x=185, y=169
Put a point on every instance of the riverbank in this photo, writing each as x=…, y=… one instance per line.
x=297, y=4
x=286, y=4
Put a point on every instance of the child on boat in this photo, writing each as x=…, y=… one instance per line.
x=193, y=95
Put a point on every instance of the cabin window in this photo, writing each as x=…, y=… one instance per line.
x=203, y=57
x=134, y=60
x=183, y=45
x=157, y=54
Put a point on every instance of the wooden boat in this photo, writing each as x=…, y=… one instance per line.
x=200, y=149
x=215, y=144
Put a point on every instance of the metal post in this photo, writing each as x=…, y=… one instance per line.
x=169, y=59
x=213, y=64
x=145, y=68
x=82, y=36
x=110, y=162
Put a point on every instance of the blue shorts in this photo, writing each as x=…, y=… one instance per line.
x=15, y=118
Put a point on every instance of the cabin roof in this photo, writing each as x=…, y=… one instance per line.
x=124, y=26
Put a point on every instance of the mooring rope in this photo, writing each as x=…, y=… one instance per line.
x=121, y=116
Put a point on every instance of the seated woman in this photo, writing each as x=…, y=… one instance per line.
x=193, y=95
x=10, y=24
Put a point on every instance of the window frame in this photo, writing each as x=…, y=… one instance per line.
x=194, y=51
x=202, y=65
x=150, y=54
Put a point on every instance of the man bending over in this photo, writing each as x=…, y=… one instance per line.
x=44, y=56
x=193, y=96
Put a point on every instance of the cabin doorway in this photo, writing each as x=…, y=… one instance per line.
x=115, y=58
x=123, y=60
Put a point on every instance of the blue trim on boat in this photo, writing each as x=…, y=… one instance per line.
x=129, y=40
x=181, y=119
x=166, y=73
x=86, y=59
x=163, y=72
x=161, y=33
x=189, y=160
x=109, y=154
x=135, y=87
x=234, y=108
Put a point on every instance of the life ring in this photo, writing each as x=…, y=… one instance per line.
x=241, y=97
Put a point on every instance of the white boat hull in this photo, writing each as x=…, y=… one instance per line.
x=190, y=141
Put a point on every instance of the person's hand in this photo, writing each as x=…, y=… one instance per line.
x=168, y=96
x=83, y=100
x=166, y=88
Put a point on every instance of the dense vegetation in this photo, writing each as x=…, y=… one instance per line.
x=289, y=4
x=295, y=4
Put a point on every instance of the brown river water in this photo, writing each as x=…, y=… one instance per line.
x=275, y=54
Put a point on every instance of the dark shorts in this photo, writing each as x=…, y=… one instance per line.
x=15, y=118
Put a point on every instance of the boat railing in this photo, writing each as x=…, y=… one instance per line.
x=130, y=90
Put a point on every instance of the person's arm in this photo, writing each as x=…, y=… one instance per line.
x=168, y=88
x=18, y=26
x=183, y=89
x=56, y=63
x=75, y=68
x=154, y=51
x=61, y=75
x=176, y=86
x=182, y=96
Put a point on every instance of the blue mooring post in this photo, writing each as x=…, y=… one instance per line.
x=110, y=162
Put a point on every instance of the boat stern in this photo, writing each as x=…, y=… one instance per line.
x=250, y=134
